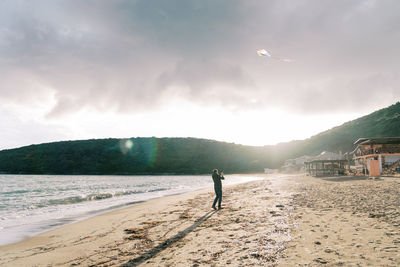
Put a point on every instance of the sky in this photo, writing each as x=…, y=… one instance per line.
x=98, y=69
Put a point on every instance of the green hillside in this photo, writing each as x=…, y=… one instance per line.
x=146, y=156
x=382, y=123
x=188, y=155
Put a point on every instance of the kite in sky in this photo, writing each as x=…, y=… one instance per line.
x=265, y=53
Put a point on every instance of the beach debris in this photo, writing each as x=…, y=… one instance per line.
x=148, y=225
x=136, y=236
x=184, y=215
x=217, y=254
x=151, y=223
x=274, y=213
x=321, y=260
x=132, y=230
x=256, y=255
x=136, y=233
x=265, y=53
x=376, y=215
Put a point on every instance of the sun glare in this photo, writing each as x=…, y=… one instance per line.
x=257, y=128
x=129, y=144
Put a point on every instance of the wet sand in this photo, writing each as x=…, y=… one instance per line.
x=283, y=220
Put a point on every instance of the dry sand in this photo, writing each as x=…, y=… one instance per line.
x=282, y=220
x=346, y=222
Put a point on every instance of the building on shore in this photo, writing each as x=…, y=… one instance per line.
x=377, y=156
x=326, y=164
x=295, y=165
x=270, y=171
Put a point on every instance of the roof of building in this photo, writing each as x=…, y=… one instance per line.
x=326, y=155
x=325, y=161
x=383, y=140
x=360, y=140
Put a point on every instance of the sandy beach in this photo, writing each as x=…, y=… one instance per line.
x=345, y=221
x=282, y=220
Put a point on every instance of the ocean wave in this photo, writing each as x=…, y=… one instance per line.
x=124, y=193
x=94, y=197
x=21, y=191
x=157, y=190
x=76, y=199
x=15, y=192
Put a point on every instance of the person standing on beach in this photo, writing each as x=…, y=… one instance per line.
x=217, y=188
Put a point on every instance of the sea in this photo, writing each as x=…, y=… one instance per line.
x=32, y=204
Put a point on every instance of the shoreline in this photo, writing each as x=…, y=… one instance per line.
x=282, y=220
x=25, y=232
x=80, y=230
x=40, y=248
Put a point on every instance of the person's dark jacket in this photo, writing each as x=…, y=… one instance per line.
x=217, y=179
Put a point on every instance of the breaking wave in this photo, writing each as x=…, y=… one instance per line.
x=94, y=197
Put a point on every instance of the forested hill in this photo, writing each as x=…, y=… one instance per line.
x=382, y=123
x=188, y=155
x=134, y=156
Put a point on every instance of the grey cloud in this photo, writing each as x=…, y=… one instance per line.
x=361, y=94
x=127, y=55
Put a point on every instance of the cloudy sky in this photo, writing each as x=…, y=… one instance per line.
x=94, y=69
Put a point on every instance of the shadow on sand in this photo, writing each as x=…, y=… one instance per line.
x=167, y=243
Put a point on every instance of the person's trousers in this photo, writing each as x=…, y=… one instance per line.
x=218, y=196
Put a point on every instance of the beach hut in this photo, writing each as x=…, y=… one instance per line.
x=326, y=164
x=377, y=156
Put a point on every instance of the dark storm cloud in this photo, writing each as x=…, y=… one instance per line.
x=133, y=55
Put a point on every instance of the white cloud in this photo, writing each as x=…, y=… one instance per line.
x=131, y=58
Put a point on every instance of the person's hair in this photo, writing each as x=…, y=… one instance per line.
x=215, y=170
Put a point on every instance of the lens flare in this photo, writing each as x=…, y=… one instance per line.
x=150, y=149
x=125, y=145
x=145, y=149
x=129, y=144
